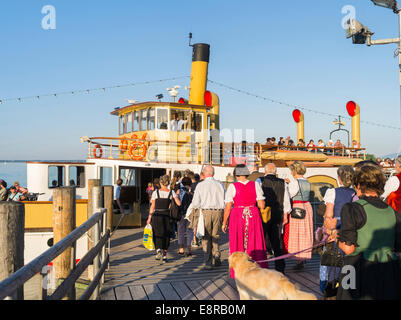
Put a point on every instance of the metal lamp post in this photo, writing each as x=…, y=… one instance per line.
x=361, y=34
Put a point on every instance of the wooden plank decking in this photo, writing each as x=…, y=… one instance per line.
x=134, y=273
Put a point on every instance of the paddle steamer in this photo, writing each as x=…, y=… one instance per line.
x=157, y=138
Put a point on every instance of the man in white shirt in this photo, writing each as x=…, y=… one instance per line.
x=177, y=124
x=209, y=197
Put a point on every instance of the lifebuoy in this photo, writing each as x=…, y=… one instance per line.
x=135, y=145
x=95, y=151
x=123, y=145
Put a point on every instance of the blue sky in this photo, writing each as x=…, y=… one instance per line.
x=292, y=51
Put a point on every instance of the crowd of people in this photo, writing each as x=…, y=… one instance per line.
x=267, y=216
x=331, y=148
x=14, y=193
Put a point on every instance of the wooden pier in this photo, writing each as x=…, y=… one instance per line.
x=134, y=273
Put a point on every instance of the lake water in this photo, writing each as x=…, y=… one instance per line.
x=13, y=171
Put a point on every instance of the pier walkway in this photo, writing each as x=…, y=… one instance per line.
x=134, y=273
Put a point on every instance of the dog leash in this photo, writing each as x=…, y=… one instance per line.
x=288, y=255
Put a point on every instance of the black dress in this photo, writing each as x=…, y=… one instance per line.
x=161, y=222
x=374, y=280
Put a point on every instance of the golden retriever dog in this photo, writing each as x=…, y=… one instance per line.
x=255, y=283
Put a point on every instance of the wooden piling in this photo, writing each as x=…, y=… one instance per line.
x=91, y=183
x=12, y=229
x=95, y=201
x=108, y=193
x=64, y=220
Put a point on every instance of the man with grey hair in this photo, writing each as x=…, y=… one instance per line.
x=392, y=188
x=209, y=197
x=278, y=200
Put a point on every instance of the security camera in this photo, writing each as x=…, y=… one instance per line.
x=357, y=31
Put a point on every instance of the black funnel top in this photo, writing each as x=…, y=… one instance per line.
x=201, y=52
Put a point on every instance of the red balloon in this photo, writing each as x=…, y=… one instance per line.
x=182, y=101
x=208, y=98
x=351, y=108
x=296, y=114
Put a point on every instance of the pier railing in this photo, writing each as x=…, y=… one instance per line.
x=98, y=254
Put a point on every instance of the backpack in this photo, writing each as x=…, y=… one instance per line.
x=175, y=212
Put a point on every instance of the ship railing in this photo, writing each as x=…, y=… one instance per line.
x=330, y=151
x=98, y=255
x=217, y=153
x=159, y=151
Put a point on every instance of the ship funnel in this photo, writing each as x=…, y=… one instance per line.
x=355, y=113
x=200, y=63
x=299, y=119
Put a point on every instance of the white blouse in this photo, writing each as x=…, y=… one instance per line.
x=163, y=194
x=230, y=194
x=391, y=185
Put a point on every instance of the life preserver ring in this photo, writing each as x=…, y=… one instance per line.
x=135, y=145
x=95, y=155
x=123, y=145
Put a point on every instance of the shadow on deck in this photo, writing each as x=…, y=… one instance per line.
x=134, y=273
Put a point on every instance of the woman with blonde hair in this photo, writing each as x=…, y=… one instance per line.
x=299, y=222
x=159, y=217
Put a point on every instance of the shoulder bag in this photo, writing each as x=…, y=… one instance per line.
x=175, y=213
x=298, y=213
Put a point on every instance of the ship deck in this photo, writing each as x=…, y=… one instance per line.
x=134, y=274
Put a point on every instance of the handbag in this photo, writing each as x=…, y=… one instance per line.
x=332, y=258
x=175, y=214
x=266, y=214
x=298, y=213
x=330, y=291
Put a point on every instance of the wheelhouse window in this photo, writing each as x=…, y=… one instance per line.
x=151, y=119
x=179, y=119
x=56, y=176
x=144, y=126
x=197, y=122
x=135, y=122
x=162, y=119
x=76, y=177
x=123, y=124
x=129, y=122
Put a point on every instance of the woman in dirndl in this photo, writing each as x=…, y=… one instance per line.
x=245, y=225
x=298, y=233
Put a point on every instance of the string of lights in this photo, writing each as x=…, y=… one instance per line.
x=298, y=107
x=88, y=91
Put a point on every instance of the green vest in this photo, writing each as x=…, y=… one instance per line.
x=377, y=236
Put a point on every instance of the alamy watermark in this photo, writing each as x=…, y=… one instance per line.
x=350, y=15
x=49, y=20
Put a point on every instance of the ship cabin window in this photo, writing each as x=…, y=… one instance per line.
x=76, y=177
x=129, y=122
x=144, y=125
x=56, y=176
x=162, y=118
x=179, y=120
x=106, y=176
x=197, y=122
x=124, y=119
x=128, y=176
x=151, y=119
x=135, y=123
